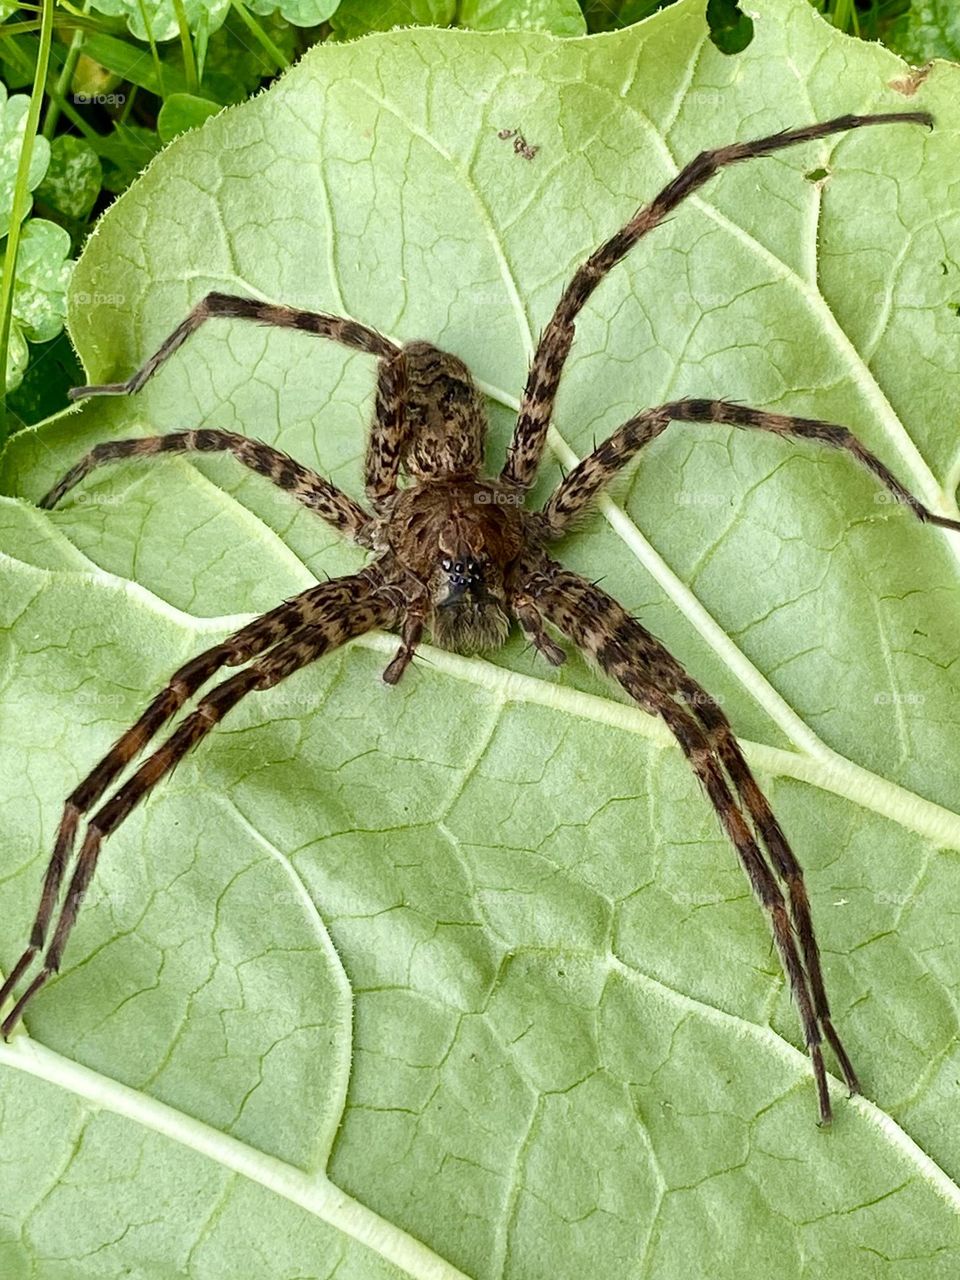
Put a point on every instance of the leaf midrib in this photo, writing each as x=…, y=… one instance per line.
x=829, y=772
x=313, y=1192
x=319, y=1196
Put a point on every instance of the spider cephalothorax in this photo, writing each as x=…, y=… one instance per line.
x=458, y=555
x=460, y=541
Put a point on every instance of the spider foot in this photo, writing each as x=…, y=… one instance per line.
x=944, y=522
x=16, y=973
x=398, y=665
x=16, y=1013
x=840, y=1053
x=552, y=652
x=103, y=389
x=411, y=637
x=823, y=1092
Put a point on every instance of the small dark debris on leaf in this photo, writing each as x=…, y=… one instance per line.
x=520, y=145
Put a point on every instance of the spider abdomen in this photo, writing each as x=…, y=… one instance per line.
x=446, y=418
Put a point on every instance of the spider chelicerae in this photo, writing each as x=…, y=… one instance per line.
x=458, y=555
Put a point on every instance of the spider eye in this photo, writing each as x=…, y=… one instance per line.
x=446, y=564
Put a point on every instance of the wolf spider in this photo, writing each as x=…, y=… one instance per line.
x=458, y=554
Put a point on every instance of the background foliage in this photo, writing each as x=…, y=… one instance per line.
x=126, y=76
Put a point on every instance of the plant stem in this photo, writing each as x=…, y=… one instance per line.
x=70, y=111
x=18, y=28
x=258, y=33
x=189, y=61
x=157, y=64
x=128, y=105
x=20, y=195
x=76, y=119
x=64, y=81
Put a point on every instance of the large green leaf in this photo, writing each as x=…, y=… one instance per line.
x=13, y=123
x=467, y=961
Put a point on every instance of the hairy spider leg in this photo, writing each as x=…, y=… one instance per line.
x=536, y=405
x=581, y=485
x=294, y=634
x=387, y=434
x=309, y=488
x=349, y=333
x=625, y=650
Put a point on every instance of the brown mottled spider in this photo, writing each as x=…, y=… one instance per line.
x=458, y=555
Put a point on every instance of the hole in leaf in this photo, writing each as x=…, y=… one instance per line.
x=730, y=29
x=817, y=175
